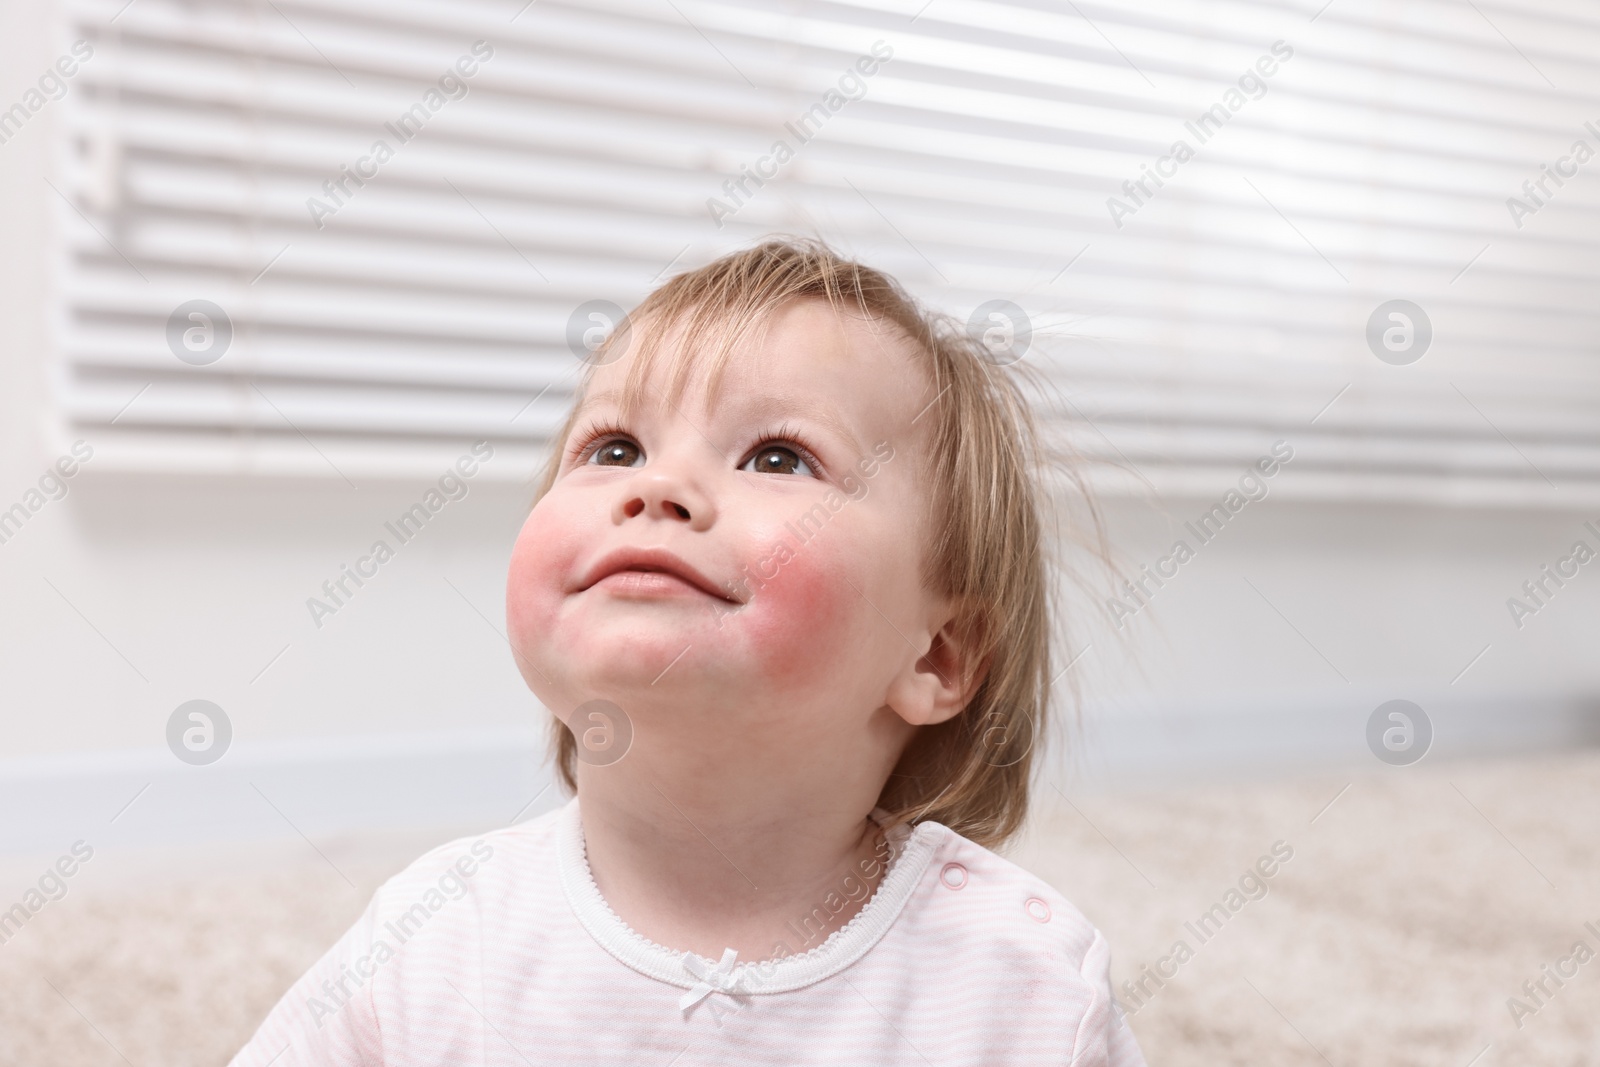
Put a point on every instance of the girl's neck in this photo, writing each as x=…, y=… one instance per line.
x=692, y=869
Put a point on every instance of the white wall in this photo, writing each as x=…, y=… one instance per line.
x=1376, y=603
x=129, y=597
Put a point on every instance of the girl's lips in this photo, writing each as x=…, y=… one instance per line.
x=648, y=573
x=648, y=585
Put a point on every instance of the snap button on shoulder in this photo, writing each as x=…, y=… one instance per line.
x=1037, y=910
x=954, y=876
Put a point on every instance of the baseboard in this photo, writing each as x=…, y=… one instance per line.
x=1264, y=739
x=318, y=789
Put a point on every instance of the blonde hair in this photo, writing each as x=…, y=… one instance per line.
x=986, y=551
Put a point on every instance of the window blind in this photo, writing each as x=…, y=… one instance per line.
x=1200, y=209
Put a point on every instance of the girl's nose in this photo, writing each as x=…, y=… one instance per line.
x=667, y=495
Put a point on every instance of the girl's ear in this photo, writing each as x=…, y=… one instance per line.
x=941, y=682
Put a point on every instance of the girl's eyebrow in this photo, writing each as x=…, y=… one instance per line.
x=780, y=407
x=605, y=396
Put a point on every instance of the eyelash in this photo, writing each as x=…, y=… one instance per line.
x=596, y=436
x=787, y=435
x=790, y=437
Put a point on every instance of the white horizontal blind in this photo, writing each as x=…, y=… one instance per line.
x=1228, y=309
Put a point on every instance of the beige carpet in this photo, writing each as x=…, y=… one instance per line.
x=1412, y=908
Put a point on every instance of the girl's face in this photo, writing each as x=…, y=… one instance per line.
x=755, y=559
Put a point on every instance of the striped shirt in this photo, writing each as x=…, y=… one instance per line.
x=501, y=950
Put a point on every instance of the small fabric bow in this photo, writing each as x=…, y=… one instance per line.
x=721, y=979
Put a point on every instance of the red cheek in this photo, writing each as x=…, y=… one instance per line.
x=543, y=555
x=802, y=618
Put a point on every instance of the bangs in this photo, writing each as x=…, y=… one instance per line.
x=702, y=317
x=669, y=346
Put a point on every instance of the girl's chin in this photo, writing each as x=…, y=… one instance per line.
x=668, y=674
x=668, y=652
x=643, y=631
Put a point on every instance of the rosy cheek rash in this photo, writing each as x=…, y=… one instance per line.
x=540, y=562
x=801, y=610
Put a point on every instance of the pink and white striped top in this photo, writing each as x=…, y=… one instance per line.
x=500, y=950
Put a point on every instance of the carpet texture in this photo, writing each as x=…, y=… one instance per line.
x=1415, y=903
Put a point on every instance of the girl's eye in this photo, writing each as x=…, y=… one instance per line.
x=618, y=452
x=776, y=459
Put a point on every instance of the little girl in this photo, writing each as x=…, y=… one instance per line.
x=784, y=586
